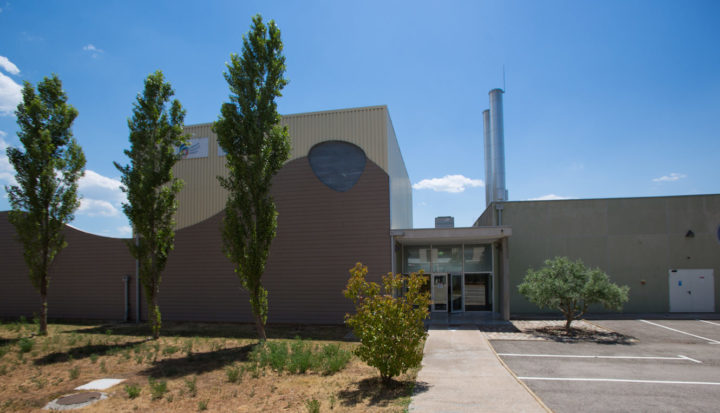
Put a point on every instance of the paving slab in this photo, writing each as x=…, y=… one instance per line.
x=100, y=384
x=461, y=373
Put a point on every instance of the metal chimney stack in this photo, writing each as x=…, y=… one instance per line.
x=488, y=158
x=497, y=143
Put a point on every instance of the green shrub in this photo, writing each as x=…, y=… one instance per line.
x=334, y=359
x=390, y=328
x=191, y=385
x=74, y=373
x=301, y=357
x=169, y=350
x=273, y=354
x=233, y=374
x=158, y=388
x=93, y=358
x=202, y=405
x=25, y=344
x=132, y=390
x=313, y=405
x=571, y=287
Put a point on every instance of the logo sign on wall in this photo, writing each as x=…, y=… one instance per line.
x=195, y=148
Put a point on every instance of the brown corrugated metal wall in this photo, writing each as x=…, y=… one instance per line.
x=86, y=279
x=321, y=234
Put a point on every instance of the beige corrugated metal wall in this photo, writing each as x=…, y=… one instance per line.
x=368, y=128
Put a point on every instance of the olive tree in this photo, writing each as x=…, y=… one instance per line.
x=256, y=147
x=570, y=287
x=47, y=173
x=156, y=130
x=389, y=325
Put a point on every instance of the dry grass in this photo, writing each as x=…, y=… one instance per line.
x=74, y=354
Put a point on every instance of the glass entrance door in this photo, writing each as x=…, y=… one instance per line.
x=439, y=292
x=456, y=293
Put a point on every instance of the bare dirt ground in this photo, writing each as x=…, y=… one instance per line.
x=195, y=361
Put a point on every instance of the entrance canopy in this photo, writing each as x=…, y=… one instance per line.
x=468, y=267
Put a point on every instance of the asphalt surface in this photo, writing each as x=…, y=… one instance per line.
x=660, y=370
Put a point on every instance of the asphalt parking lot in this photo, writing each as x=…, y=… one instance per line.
x=667, y=366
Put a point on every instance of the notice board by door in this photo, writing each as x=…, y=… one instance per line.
x=692, y=291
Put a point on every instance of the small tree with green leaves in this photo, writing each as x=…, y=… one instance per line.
x=389, y=324
x=571, y=287
x=257, y=146
x=47, y=174
x=156, y=131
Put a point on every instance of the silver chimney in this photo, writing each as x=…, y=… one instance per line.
x=488, y=158
x=497, y=143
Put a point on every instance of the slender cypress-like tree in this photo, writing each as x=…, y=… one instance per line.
x=257, y=146
x=47, y=172
x=156, y=130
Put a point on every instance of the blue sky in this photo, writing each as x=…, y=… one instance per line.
x=603, y=99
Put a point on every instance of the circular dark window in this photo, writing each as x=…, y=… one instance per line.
x=337, y=164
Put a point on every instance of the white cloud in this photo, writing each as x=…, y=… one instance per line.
x=7, y=172
x=670, y=178
x=548, y=197
x=10, y=95
x=102, y=196
x=92, y=49
x=97, y=207
x=449, y=183
x=125, y=230
x=9, y=66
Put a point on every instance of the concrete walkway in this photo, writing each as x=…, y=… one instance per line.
x=461, y=373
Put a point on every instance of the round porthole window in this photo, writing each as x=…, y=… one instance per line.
x=337, y=164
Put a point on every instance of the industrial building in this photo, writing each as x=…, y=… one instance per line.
x=345, y=196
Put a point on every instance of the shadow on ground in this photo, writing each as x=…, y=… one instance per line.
x=198, y=363
x=223, y=330
x=377, y=394
x=85, y=351
x=579, y=335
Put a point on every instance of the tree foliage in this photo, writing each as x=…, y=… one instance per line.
x=390, y=328
x=571, y=287
x=256, y=147
x=47, y=174
x=156, y=130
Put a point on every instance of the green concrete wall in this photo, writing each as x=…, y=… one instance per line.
x=634, y=240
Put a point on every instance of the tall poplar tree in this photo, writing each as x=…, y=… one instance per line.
x=156, y=130
x=47, y=174
x=257, y=146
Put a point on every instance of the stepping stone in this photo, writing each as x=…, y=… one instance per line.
x=100, y=384
x=75, y=401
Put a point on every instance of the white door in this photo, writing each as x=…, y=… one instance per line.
x=692, y=291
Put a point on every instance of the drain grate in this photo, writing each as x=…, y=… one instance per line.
x=79, y=398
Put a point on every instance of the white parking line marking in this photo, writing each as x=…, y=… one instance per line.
x=711, y=341
x=710, y=383
x=679, y=357
x=688, y=358
x=710, y=322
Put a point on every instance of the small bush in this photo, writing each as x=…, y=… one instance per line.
x=191, y=385
x=202, y=405
x=132, y=390
x=169, y=350
x=301, y=357
x=158, y=388
x=334, y=359
x=233, y=374
x=187, y=347
x=390, y=328
x=74, y=373
x=26, y=344
x=103, y=369
x=313, y=405
x=93, y=358
x=273, y=354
